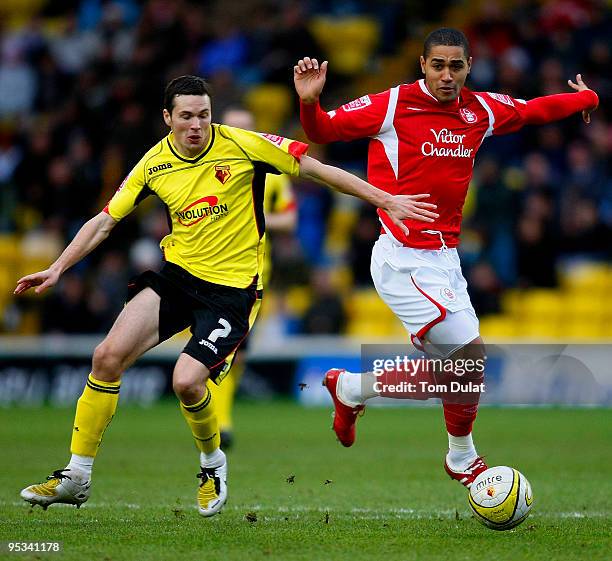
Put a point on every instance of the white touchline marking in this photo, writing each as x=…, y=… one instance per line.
x=357, y=512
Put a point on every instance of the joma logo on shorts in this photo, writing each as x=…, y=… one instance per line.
x=160, y=167
x=209, y=345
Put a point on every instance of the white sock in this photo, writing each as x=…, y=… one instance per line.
x=82, y=464
x=212, y=460
x=354, y=389
x=461, y=451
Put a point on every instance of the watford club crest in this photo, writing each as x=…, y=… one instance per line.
x=222, y=173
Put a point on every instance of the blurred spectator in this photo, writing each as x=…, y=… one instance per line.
x=65, y=309
x=537, y=244
x=227, y=51
x=585, y=175
x=326, y=314
x=10, y=156
x=80, y=102
x=17, y=80
x=485, y=289
x=494, y=219
x=583, y=233
x=288, y=39
x=314, y=205
x=365, y=233
x=145, y=255
x=74, y=49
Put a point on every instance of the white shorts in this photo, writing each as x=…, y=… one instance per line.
x=426, y=291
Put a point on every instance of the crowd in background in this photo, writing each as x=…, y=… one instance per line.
x=81, y=88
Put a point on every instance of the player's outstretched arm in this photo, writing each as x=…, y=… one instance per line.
x=542, y=110
x=91, y=234
x=398, y=207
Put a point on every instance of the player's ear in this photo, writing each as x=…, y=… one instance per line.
x=469, y=64
x=167, y=118
x=422, y=60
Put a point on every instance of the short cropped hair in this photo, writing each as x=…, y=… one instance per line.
x=446, y=36
x=184, y=85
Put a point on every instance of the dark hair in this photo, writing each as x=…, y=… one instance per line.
x=446, y=36
x=184, y=85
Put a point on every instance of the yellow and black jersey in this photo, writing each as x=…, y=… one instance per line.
x=215, y=200
x=278, y=198
x=279, y=195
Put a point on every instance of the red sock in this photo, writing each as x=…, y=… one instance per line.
x=402, y=384
x=460, y=417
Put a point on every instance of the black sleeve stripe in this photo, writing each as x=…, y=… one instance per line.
x=144, y=193
x=168, y=217
x=258, y=189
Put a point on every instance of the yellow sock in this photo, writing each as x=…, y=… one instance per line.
x=202, y=421
x=94, y=412
x=224, y=394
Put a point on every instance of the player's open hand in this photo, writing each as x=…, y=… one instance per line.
x=580, y=86
x=309, y=78
x=42, y=280
x=402, y=207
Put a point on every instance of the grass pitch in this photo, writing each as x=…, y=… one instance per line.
x=296, y=494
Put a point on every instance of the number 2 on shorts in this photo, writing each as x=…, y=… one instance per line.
x=220, y=331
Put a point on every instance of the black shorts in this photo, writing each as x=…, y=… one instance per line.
x=220, y=317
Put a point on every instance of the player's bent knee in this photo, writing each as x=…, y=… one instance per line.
x=186, y=385
x=108, y=365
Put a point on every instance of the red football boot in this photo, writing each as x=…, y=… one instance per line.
x=467, y=477
x=345, y=416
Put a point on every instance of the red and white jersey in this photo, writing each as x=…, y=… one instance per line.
x=419, y=145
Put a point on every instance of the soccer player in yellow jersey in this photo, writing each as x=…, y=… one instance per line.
x=281, y=216
x=211, y=179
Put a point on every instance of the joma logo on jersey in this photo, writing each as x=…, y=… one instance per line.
x=222, y=173
x=160, y=167
x=201, y=209
x=446, y=136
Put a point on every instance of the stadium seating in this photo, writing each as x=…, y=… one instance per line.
x=349, y=41
x=16, y=13
x=271, y=105
x=573, y=311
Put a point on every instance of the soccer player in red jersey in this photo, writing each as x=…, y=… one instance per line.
x=423, y=139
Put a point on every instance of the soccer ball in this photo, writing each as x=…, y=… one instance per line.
x=501, y=497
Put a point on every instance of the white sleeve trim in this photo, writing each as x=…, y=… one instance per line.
x=387, y=134
x=491, y=117
x=390, y=115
